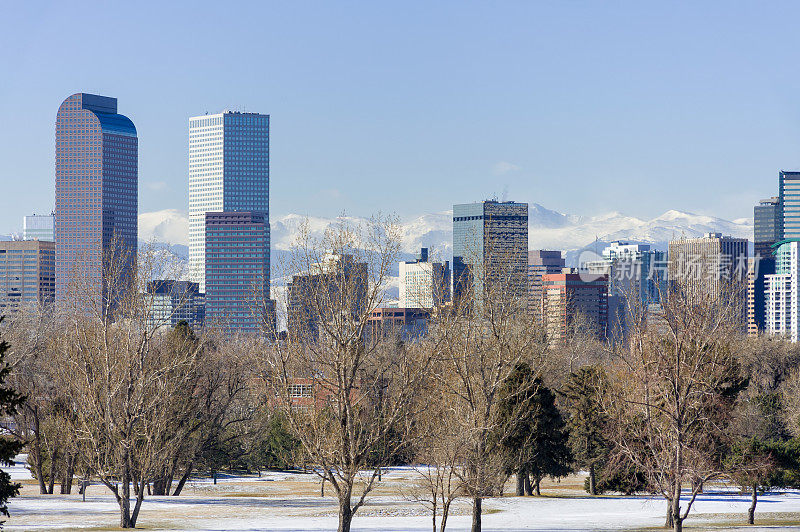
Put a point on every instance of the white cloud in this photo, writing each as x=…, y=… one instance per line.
x=156, y=185
x=504, y=167
x=170, y=226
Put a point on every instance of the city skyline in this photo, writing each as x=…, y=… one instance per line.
x=347, y=114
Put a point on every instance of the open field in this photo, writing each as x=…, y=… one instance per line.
x=291, y=501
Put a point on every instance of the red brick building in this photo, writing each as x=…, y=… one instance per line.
x=568, y=296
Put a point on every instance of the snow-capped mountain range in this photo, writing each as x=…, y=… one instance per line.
x=548, y=229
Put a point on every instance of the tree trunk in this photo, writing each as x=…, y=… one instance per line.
x=476, y=514
x=526, y=484
x=69, y=472
x=138, y=505
x=668, y=522
x=751, y=512
x=433, y=512
x=445, y=513
x=171, y=476
x=345, y=513
x=214, y=475
x=538, y=485
x=520, y=484
x=322, y=488
x=677, y=522
x=183, y=479
x=37, y=461
x=380, y=474
x=160, y=483
x=51, y=481
x=592, y=481
x=125, y=500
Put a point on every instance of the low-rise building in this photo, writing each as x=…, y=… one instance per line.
x=405, y=323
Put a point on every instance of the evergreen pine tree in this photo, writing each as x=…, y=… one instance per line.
x=586, y=420
x=550, y=454
x=534, y=432
x=9, y=401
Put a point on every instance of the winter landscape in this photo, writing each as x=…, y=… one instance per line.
x=291, y=502
x=406, y=266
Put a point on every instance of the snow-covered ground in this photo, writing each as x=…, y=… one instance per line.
x=291, y=501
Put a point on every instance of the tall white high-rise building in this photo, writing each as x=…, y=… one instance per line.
x=424, y=284
x=228, y=172
x=782, y=292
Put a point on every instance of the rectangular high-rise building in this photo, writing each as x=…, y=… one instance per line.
x=767, y=222
x=782, y=292
x=27, y=274
x=96, y=188
x=490, y=245
x=424, y=283
x=712, y=265
x=228, y=172
x=236, y=269
x=541, y=262
x=39, y=227
x=574, y=299
x=316, y=295
x=789, y=204
x=758, y=268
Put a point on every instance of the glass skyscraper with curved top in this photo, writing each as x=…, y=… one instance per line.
x=228, y=172
x=96, y=186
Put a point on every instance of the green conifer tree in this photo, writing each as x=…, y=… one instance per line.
x=586, y=421
x=9, y=401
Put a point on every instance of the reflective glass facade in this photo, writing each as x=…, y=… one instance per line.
x=175, y=301
x=767, y=226
x=38, y=227
x=228, y=171
x=27, y=274
x=490, y=239
x=96, y=185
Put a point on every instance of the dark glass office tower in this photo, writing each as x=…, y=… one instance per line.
x=490, y=241
x=767, y=226
x=96, y=186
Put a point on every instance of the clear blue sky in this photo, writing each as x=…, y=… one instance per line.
x=409, y=107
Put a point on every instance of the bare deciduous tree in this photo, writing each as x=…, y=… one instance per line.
x=345, y=395
x=478, y=343
x=674, y=386
x=122, y=376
